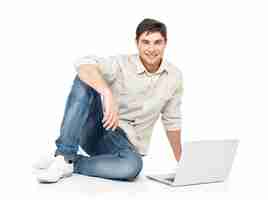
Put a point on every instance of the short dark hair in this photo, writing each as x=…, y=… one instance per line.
x=151, y=26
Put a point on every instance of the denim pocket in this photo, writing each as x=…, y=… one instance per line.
x=117, y=140
x=130, y=145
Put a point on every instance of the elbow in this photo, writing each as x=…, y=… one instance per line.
x=85, y=69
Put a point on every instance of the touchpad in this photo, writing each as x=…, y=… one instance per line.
x=170, y=179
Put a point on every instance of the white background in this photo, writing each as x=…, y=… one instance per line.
x=222, y=48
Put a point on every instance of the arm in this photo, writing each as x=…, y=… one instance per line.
x=171, y=118
x=174, y=137
x=90, y=74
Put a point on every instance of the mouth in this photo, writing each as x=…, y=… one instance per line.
x=151, y=56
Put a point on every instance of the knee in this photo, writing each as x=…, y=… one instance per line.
x=131, y=167
x=81, y=91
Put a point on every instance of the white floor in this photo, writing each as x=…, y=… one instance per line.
x=22, y=184
x=18, y=181
x=94, y=187
x=90, y=187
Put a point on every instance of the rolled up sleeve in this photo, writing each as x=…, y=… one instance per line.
x=109, y=66
x=171, y=112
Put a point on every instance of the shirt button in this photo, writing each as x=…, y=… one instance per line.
x=138, y=137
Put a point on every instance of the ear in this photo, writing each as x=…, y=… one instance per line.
x=166, y=43
x=136, y=42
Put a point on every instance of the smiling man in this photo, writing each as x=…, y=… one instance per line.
x=112, y=108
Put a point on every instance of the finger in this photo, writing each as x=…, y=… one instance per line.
x=105, y=125
x=115, y=125
x=108, y=121
x=110, y=126
x=112, y=123
x=106, y=113
x=105, y=116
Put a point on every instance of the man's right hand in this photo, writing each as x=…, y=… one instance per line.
x=91, y=75
x=110, y=119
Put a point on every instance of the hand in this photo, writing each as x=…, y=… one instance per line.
x=110, y=119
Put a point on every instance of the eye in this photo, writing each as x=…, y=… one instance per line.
x=145, y=42
x=159, y=42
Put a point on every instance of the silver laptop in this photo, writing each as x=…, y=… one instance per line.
x=201, y=162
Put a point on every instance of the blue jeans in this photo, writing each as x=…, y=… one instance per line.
x=112, y=155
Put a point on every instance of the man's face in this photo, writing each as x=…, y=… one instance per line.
x=151, y=48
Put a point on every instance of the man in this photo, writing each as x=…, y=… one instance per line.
x=112, y=108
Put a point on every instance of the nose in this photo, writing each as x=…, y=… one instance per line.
x=150, y=48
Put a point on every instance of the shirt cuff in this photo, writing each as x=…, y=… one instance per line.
x=174, y=129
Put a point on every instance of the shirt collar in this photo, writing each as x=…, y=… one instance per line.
x=140, y=67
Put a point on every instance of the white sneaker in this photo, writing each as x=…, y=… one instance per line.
x=46, y=160
x=58, y=169
x=43, y=162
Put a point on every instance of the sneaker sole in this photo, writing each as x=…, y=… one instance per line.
x=49, y=181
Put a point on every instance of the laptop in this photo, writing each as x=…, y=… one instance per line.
x=201, y=162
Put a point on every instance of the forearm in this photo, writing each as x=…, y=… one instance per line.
x=90, y=74
x=174, y=138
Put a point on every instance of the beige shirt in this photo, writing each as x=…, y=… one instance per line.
x=141, y=96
